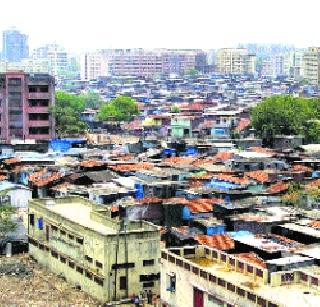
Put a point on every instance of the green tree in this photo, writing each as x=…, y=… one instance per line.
x=175, y=109
x=122, y=108
x=284, y=114
x=67, y=111
x=7, y=225
x=192, y=72
x=92, y=100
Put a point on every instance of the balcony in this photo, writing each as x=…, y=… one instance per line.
x=39, y=96
x=38, y=123
x=39, y=136
x=38, y=109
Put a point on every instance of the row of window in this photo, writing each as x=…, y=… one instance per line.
x=68, y=262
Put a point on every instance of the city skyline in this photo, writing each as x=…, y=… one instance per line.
x=174, y=24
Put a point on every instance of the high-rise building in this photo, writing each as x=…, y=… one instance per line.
x=235, y=61
x=311, y=65
x=136, y=62
x=56, y=56
x=14, y=46
x=94, y=64
x=24, y=104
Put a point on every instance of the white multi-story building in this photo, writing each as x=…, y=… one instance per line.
x=311, y=65
x=94, y=64
x=235, y=61
x=56, y=56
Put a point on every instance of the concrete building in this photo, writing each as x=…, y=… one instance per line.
x=136, y=62
x=14, y=46
x=24, y=103
x=79, y=240
x=206, y=277
x=94, y=65
x=311, y=65
x=235, y=61
x=56, y=57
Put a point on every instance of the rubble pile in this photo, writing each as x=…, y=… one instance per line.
x=23, y=281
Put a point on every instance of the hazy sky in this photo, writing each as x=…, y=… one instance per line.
x=81, y=25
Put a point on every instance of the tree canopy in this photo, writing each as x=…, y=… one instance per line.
x=175, y=109
x=92, y=100
x=67, y=111
x=7, y=225
x=287, y=115
x=122, y=108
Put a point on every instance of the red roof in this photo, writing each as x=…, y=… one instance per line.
x=301, y=168
x=231, y=179
x=267, y=151
x=11, y=161
x=252, y=258
x=46, y=180
x=149, y=200
x=223, y=156
x=315, y=224
x=222, y=242
x=133, y=167
x=260, y=176
x=203, y=205
x=243, y=123
x=91, y=163
x=278, y=187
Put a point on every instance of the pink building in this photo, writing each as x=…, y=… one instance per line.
x=24, y=106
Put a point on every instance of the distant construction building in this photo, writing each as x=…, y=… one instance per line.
x=24, y=103
x=311, y=65
x=235, y=61
x=94, y=251
x=14, y=46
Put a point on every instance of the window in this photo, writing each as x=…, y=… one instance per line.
x=79, y=270
x=195, y=270
x=54, y=228
x=62, y=232
x=80, y=241
x=98, y=280
x=259, y=273
x=62, y=259
x=171, y=282
x=150, y=277
x=223, y=257
x=221, y=282
x=252, y=297
x=189, y=251
x=71, y=264
x=123, y=283
x=203, y=274
x=212, y=278
x=250, y=269
x=149, y=262
x=40, y=223
x=123, y=265
x=148, y=284
x=99, y=265
x=231, y=287
x=179, y=263
x=241, y=292
x=31, y=219
x=54, y=254
x=187, y=266
x=89, y=275
x=71, y=237
x=89, y=259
